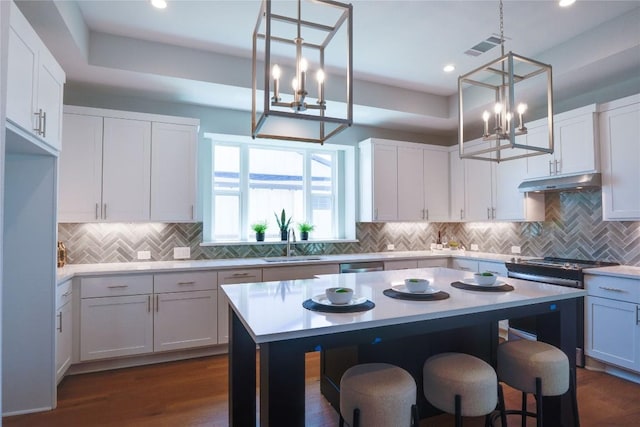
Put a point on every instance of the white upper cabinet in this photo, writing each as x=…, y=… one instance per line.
x=80, y=169
x=403, y=181
x=574, y=144
x=378, y=181
x=173, y=172
x=126, y=170
x=35, y=82
x=410, y=184
x=120, y=166
x=620, y=153
x=436, y=184
x=490, y=191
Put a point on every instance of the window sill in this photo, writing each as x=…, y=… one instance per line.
x=274, y=242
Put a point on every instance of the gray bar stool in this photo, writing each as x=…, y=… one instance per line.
x=378, y=394
x=460, y=384
x=534, y=367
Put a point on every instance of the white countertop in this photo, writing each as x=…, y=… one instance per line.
x=273, y=311
x=627, y=271
x=71, y=270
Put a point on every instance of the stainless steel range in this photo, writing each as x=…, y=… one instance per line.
x=556, y=271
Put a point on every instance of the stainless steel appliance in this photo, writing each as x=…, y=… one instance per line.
x=361, y=267
x=556, y=271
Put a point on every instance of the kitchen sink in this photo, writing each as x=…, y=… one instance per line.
x=292, y=258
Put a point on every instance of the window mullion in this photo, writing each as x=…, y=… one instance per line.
x=244, y=191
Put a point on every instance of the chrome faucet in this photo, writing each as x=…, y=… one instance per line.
x=291, y=251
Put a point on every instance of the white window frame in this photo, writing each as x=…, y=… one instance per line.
x=343, y=182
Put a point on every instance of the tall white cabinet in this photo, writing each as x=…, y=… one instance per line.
x=120, y=166
x=620, y=154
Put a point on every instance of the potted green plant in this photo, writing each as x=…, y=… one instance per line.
x=283, y=224
x=259, y=228
x=305, y=228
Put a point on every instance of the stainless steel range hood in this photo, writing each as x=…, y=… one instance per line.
x=560, y=183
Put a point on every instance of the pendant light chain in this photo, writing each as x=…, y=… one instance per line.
x=501, y=30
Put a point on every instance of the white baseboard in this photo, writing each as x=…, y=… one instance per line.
x=598, y=366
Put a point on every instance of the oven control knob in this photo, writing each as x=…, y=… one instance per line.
x=567, y=265
x=513, y=260
x=575, y=266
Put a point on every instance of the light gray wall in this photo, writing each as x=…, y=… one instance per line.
x=218, y=120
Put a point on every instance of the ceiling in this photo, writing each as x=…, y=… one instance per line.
x=199, y=51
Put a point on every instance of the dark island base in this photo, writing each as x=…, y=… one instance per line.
x=409, y=353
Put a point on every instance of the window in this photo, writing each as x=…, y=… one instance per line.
x=252, y=181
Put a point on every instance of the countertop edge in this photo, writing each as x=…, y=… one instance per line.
x=70, y=271
x=624, y=271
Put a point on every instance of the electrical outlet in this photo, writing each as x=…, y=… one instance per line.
x=515, y=249
x=144, y=254
x=474, y=247
x=391, y=247
x=181, y=253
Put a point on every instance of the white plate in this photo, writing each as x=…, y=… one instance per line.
x=474, y=283
x=322, y=299
x=403, y=289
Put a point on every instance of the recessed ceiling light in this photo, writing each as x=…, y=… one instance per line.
x=449, y=68
x=160, y=4
x=566, y=3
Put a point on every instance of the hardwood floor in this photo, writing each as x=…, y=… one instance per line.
x=194, y=393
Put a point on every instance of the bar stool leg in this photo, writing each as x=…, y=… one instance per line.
x=574, y=399
x=539, y=415
x=502, y=407
x=341, y=422
x=524, y=410
x=458, y=410
x=415, y=422
x=356, y=417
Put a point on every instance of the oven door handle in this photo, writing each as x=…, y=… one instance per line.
x=545, y=279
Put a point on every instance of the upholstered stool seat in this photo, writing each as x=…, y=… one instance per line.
x=460, y=384
x=534, y=367
x=377, y=394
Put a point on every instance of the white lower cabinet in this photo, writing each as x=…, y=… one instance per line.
x=126, y=315
x=231, y=277
x=64, y=327
x=185, y=320
x=474, y=266
x=464, y=264
x=612, y=321
x=298, y=272
x=439, y=262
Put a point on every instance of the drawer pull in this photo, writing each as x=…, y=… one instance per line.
x=157, y=303
x=117, y=286
x=611, y=289
x=149, y=304
x=240, y=274
x=187, y=283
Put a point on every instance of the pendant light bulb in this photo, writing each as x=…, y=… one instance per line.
x=294, y=84
x=304, y=65
x=276, y=72
x=497, y=108
x=320, y=76
x=485, y=116
x=522, y=108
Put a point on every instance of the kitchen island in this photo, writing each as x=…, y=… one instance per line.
x=271, y=315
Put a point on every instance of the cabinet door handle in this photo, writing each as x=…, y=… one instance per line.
x=550, y=167
x=192, y=212
x=148, y=303
x=375, y=215
x=157, y=303
x=96, y=210
x=461, y=214
x=44, y=124
x=38, y=129
x=117, y=286
x=240, y=274
x=186, y=283
x=557, y=166
x=104, y=208
x=493, y=213
x=611, y=289
x=60, y=322
x=488, y=213
x=427, y=216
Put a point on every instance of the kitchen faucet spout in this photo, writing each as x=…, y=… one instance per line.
x=290, y=250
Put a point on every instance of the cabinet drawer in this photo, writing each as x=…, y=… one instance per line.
x=613, y=288
x=439, y=262
x=185, y=281
x=401, y=264
x=108, y=286
x=240, y=276
x=63, y=294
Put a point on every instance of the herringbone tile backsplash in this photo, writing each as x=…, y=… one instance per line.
x=573, y=228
